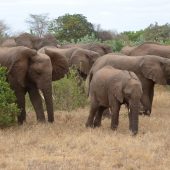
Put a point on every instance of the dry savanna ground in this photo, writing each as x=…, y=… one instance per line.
x=67, y=144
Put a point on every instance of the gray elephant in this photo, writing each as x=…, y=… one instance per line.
x=29, y=71
x=111, y=87
x=30, y=41
x=150, y=70
x=82, y=59
x=100, y=48
x=151, y=48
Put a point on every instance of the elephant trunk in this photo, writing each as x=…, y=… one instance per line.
x=47, y=92
x=134, y=117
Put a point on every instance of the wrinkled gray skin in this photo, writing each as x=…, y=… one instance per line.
x=127, y=50
x=100, y=48
x=82, y=59
x=30, y=41
x=150, y=70
x=111, y=87
x=29, y=71
x=150, y=48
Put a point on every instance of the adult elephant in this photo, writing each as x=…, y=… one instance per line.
x=149, y=69
x=30, y=41
x=150, y=48
x=29, y=71
x=100, y=48
x=82, y=59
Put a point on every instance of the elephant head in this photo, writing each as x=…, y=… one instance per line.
x=159, y=72
x=83, y=60
x=16, y=59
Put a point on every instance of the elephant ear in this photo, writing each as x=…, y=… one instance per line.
x=80, y=61
x=59, y=63
x=117, y=91
x=20, y=64
x=152, y=69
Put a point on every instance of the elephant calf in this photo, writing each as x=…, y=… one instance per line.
x=111, y=87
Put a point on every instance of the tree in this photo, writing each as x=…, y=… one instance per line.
x=38, y=24
x=68, y=27
x=155, y=32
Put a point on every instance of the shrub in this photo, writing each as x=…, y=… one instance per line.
x=69, y=93
x=116, y=45
x=8, y=108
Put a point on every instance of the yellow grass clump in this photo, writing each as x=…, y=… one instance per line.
x=68, y=145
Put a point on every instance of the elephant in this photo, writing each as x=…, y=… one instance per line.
x=150, y=70
x=110, y=88
x=29, y=71
x=30, y=41
x=100, y=48
x=151, y=48
x=82, y=59
x=127, y=49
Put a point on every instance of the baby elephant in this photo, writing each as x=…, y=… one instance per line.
x=109, y=88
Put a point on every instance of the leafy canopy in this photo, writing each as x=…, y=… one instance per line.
x=68, y=27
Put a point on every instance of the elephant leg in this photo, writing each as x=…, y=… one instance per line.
x=93, y=111
x=151, y=94
x=98, y=118
x=147, y=97
x=37, y=103
x=115, y=114
x=20, y=95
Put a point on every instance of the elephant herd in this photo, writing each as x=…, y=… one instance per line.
x=113, y=79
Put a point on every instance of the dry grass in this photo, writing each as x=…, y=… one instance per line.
x=67, y=144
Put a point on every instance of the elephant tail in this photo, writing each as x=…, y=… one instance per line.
x=88, y=80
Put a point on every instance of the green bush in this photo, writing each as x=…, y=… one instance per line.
x=69, y=93
x=8, y=108
x=116, y=45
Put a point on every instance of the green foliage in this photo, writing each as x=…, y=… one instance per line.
x=68, y=27
x=89, y=39
x=8, y=108
x=69, y=93
x=157, y=32
x=116, y=45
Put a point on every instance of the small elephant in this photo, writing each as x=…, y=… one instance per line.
x=110, y=88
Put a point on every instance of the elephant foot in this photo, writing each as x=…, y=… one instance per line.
x=41, y=121
x=89, y=124
x=147, y=113
x=133, y=133
x=114, y=128
x=50, y=120
x=97, y=124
